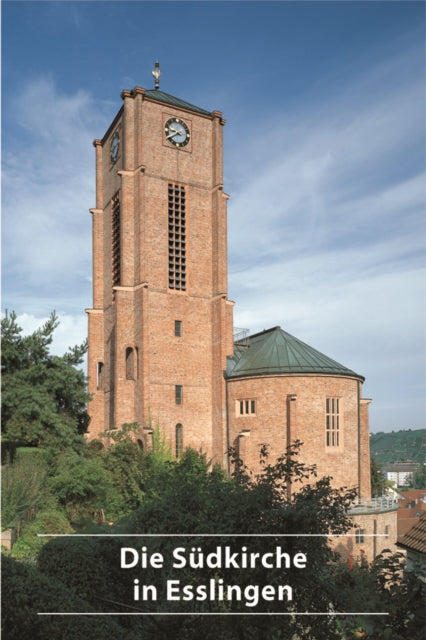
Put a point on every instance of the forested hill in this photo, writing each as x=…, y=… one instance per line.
x=399, y=445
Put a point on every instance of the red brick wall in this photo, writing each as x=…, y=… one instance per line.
x=375, y=541
x=291, y=407
x=142, y=311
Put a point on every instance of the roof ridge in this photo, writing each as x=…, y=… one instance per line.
x=168, y=98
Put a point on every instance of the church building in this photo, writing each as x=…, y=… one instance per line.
x=162, y=349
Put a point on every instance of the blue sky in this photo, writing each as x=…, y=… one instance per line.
x=324, y=164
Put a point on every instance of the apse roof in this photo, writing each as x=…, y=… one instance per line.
x=275, y=351
x=160, y=96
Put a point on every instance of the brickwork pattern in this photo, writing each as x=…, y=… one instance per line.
x=139, y=313
x=293, y=407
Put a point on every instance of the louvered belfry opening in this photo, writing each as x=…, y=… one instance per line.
x=115, y=241
x=177, y=237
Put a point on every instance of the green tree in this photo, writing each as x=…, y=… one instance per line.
x=22, y=485
x=29, y=592
x=379, y=483
x=248, y=511
x=188, y=496
x=419, y=480
x=44, y=397
x=129, y=465
x=379, y=586
x=82, y=485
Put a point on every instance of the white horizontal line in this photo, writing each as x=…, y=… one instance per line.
x=209, y=535
x=213, y=613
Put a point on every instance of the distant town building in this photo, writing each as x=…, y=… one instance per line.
x=401, y=473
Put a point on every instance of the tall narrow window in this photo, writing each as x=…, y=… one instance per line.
x=360, y=536
x=130, y=364
x=177, y=237
x=178, y=328
x=179, y=440
x=136, y=364
x=99, y=368
x=178, y=394
x=332, y=422
x=115, y=240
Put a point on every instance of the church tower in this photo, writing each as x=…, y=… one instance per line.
x=161, y=324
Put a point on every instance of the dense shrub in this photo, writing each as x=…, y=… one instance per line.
x=28, y=593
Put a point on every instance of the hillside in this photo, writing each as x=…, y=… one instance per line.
x=399, y=445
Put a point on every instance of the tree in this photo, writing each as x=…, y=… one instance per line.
x=188, y=496
x=380, y=586
x=419, y=480
x=379, y=484
x=82, y=485
x=245, y=511
x=29, y=592
x=44, y=397
x=22, y=484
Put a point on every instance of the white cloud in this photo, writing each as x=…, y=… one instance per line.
x=326, y=234
x=48, y=175
x=71, y=331
x=326, y=223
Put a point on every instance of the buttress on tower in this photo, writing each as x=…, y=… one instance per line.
x=161, y=326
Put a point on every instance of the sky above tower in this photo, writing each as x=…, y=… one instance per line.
x=324, y=163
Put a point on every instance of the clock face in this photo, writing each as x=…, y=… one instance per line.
x=177, y=132
x=115, y=146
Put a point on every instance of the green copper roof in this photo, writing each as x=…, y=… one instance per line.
x=275, y=352
x=156, y=94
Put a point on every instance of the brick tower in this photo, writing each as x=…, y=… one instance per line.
x=161, y=325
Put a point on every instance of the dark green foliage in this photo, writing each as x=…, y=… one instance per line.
x=188, y=497
x=43, y=396
x=28, y=592
x=379, y=484
x=82, y=485
x=80, y=563
x=380, y=587
x=419, y=479
x=22, y=486
x=399, y=445
x=125, y=461
x=48, y=519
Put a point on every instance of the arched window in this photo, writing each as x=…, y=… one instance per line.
x=140, y=444
x=130, y=364
x=179, y=440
